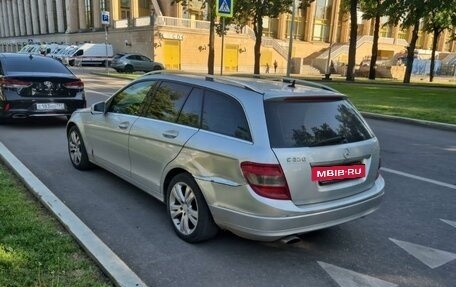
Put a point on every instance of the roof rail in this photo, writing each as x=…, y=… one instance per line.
x=240, y=84
x=309, y=84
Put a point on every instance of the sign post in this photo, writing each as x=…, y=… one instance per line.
x=224, y=8
x=105, y=22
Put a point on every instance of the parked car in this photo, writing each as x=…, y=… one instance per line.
x=263, y=159
x=130, y=63
x=36, y=86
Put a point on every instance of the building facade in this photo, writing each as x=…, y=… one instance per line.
x=178, y=36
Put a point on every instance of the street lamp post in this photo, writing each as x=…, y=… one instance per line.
x=331, y=39
x=152, y=25
x=290, y=45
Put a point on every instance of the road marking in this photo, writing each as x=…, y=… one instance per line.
x=113, y=266
x=452, y=186
x=100, y=93
x=452, y=223
x=348, y=278
x=431, y=257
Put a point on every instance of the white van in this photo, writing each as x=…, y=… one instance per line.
x=91, y=54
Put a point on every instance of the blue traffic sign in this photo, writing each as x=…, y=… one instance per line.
x=105, y=17
x=224, y=8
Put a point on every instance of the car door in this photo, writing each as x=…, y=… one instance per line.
x=108, y=132
x=146, y=64
x=158, y=136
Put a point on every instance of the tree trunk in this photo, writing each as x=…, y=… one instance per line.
x=411, y=53
x=211, y=55
x=353, y=40
x=434, y=47
x=374, y=56
x=258, y=29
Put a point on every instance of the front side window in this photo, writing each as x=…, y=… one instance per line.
x=130, y=100
x=167, y=101
x=223, y=114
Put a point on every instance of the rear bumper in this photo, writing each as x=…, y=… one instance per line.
x=312, y=216
x=28, y=108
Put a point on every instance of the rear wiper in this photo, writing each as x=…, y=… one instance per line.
x=336, y=139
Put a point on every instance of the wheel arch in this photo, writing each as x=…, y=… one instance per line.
x=169, y=176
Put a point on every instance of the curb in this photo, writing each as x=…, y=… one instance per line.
x=112, y=265
x=429, y=124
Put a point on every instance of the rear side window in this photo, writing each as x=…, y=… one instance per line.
x=310, y=123
x=191, y=112
x=222, y=114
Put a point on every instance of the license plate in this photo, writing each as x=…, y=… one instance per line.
x=50, y=106
x=321, y=173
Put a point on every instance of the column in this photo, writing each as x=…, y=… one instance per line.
x=60, y=16
x=134, y=9
x=82, y=16
x=367, y=25
x=2, y=28
x=50, y=16
x=42, y=13
x=17, y=31
x=115, y=11
x=72, y=16
x=20, y=8
x=34, y=16
x=335, y=20
x=96, y=14
x=28, y=17
x=310, y=16
x=9, y=15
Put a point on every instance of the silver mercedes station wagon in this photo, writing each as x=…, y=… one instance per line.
x=263, y=159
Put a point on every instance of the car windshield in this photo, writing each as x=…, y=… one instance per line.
x=33, y=64
x=313, y=123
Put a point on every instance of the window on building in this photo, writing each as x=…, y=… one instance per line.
x=270, y=27
x=385, y=29
x=104, y=5
x=125, y=9
x=298, y=25
x=322, y=20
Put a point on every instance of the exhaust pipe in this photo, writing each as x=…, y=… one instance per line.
x=292, y=239
x=19, y=116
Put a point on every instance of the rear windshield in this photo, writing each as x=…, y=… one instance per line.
x=33, y=64
x=310, y=123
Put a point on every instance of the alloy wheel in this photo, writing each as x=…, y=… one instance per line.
x=183, y=208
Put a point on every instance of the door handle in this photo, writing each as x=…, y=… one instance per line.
x=124, y=125
x=171, y=134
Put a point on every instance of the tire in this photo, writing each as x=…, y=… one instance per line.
x=188, y=211
x=128, y=69
x=77, y=151
x=71, y=63
x=157, y=68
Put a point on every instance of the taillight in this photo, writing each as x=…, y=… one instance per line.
x=267, y=180
x=14, y=83
x=7, y=107
x=74, y=85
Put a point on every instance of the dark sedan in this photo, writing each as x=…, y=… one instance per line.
x=34, y=86
x=130, y=63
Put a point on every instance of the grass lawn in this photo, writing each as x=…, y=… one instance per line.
x=417, y=102
x=35, y=250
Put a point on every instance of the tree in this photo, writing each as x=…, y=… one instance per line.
x=407, y=14
x=210, y=4
x=353, y=39
x=252, y=12
x=441, y=17
x=373, y=9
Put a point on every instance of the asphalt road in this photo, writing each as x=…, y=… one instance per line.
x=399, y=245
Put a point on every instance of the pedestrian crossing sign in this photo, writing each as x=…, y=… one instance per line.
x=224, y=8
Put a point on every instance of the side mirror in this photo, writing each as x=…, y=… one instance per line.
x=98, y=108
